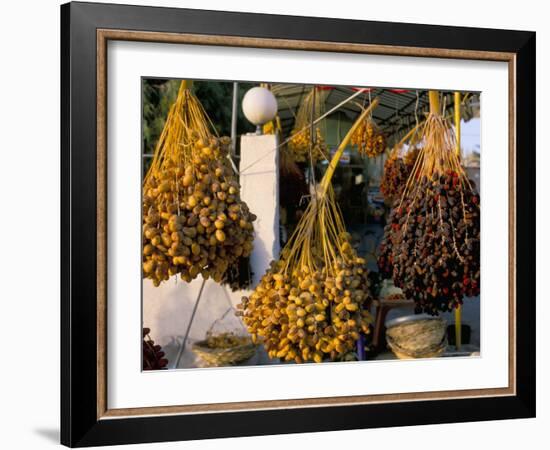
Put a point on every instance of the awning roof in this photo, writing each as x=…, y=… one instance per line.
x=396, y=112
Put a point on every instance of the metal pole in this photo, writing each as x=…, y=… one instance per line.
x=434, y=102
x=182, y=347
x=234, y=115
x=458, y=309
x=360, y=349
x=457, y=122
x=312, y=138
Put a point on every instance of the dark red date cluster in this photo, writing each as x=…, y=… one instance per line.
x=431, y=243
x=153, y=356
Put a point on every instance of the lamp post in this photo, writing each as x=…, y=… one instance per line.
x=259, y=106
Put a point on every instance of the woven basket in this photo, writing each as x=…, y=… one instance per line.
x=424, y=338
x=224, y=356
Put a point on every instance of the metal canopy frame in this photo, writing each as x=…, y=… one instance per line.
x=395, y=113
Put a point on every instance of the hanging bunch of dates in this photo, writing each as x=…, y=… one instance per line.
x=396, y=172
x=303, y=145
x=194, y=221
x=312, y=303
x=369, y=139
x=431, y=242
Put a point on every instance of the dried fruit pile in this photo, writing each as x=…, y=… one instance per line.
x=312, y=107
x=368, y=138
x=225, y=340
x=431, y=242
x=311, y=305
x=153, y=356
x=194, y=221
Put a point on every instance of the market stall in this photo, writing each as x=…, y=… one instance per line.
x=302, y=241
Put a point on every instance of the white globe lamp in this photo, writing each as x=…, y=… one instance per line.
x=259, y=107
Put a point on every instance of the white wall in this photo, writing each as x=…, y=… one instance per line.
x=259, y=169
x=29, y=115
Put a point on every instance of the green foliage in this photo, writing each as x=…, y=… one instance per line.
x=215, y=96
x=157, y=96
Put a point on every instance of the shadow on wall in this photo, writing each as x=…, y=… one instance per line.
x=168, y=308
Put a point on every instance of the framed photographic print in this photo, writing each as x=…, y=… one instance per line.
x=277, y=224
